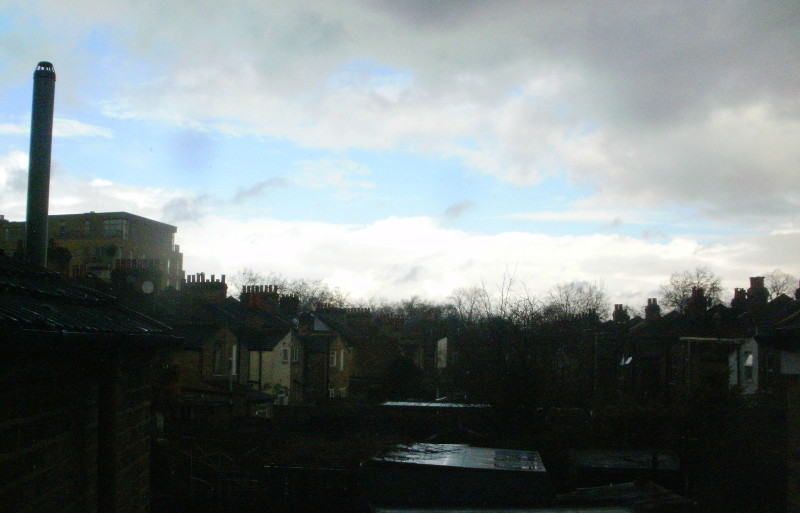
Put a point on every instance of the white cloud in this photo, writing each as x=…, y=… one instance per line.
x=673, y=104
x=61, y=128
x=11, y=129
x=71, y=194
x=73, y=128
x=340, y=174
x=668, y=103
x=400, y=257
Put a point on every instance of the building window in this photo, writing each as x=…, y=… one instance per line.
x=343, y=392
x=748, y=366
x=332, y=358
x=284, y=355
x=115, y=228
x=331, y=393
x=773, y=362
x=341, y=359
x=295, y=354
x=219, y=360
x=87, y=227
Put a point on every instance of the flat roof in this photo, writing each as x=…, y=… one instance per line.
x=465, y=456
x=623, y=459
x=429, y=404
x=573, y=509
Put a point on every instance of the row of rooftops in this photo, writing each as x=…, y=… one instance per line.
x=40, y=299
x=751, y=311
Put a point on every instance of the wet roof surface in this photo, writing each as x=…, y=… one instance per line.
x=465, y=456
x=506, y=510
x=413, y=404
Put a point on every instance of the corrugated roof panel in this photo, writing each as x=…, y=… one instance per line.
x=37, y=299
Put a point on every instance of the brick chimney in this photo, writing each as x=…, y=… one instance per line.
x=757, y=294
x=212, y=290
x=620, y=314
x=739, y=301
x=44, y=85
x=698, y=302
x=289, y=305
x=652, y=311
x=263, y=297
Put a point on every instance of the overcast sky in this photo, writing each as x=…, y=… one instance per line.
x=399, y=148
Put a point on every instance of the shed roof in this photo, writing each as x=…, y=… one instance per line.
x=465, y=456
x=37, y=299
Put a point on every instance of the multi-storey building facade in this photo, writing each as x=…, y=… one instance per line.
x=100, y=242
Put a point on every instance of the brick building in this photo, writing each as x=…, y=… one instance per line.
x=76, y=369
x=97, y=243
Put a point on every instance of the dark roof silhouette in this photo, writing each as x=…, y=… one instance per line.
x=37, y=300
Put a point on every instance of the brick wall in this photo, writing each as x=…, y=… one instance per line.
x=793, y=446
x=49, y=432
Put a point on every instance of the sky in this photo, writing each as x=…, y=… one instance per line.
x=410, y=148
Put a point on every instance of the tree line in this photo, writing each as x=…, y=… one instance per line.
x=510, y=299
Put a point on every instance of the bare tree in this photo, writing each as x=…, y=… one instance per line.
x=779, y=282
x=311, y=293
x=678, y=289
x=245, y=278
x=314, y=293
x=576, y=298
x=471, y=303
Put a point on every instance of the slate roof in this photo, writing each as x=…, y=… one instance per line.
x=38, y=300
x=262, y=341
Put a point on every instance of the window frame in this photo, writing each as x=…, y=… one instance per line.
x=115, y=227
x=748, y=366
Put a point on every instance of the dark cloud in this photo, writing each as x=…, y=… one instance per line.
x=412, y=275
x=458, y=209
x=186, y=209
x=654, y=104
x=258, y=189
x=613, y=224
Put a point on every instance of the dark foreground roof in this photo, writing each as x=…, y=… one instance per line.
x=456, y=476
x=465, y=456
x=638, y=496
x=40, y=303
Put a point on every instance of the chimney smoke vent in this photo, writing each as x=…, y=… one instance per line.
x=44, y=86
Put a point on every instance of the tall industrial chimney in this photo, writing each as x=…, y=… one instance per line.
x=44, y=86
